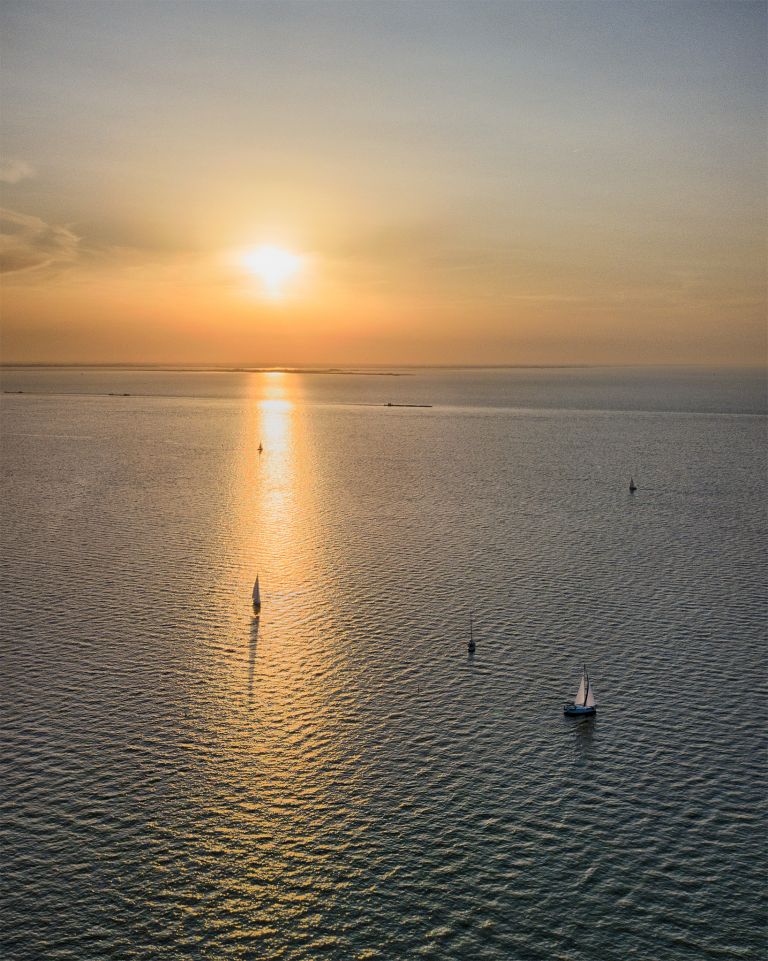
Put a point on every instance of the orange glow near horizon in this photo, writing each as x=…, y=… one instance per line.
x=378, y=209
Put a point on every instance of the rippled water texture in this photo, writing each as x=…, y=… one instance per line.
x=339, y=779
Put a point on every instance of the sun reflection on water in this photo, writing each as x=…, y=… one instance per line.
x=269, y=676
x=278, y=775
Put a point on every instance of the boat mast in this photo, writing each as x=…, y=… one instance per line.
x=586, y=686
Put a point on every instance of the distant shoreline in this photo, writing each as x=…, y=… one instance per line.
x=206, y=370
x=394, y=370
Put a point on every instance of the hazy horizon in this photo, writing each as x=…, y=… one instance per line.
x=382, y=184
x=331, y=367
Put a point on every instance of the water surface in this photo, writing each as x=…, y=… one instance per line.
x=338, y=778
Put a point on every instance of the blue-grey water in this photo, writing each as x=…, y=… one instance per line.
x=339, y=779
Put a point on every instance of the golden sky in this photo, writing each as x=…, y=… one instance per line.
x=433, y=182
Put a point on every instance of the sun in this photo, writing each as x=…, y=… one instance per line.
x=274, y=266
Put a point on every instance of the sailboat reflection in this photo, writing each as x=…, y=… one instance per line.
x=584, y=736
x=252, y=646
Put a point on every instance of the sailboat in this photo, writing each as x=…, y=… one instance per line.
x=632, y=486
x=471, y=642
x=256, y=596
x=584, y=702
x=259, y=448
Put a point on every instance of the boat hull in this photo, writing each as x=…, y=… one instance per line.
x=573, y=710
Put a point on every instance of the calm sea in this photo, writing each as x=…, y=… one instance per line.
x=338, y=779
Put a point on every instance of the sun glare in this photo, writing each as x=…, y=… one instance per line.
x=274, y=266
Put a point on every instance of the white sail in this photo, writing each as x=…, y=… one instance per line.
x=584, y=701
x=256, y=593
x=585, y=696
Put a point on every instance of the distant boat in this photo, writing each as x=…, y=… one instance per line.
x=584, y=702
x=632, y=487
x=256, y=596
x=260, y=448
x=471, y=642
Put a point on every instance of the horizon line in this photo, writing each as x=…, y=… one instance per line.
x=343, y=368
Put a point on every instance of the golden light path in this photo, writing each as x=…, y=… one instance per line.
x=275, y=684
x=265, y=690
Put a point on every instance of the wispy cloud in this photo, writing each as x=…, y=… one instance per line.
x=27, y=243
x=13, y=170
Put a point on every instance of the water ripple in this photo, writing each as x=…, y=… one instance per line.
x=338, y=778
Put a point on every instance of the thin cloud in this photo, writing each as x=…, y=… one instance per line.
x=12, y=171
x=28, y=243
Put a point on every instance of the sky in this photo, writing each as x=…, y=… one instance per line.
x=442, y=182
